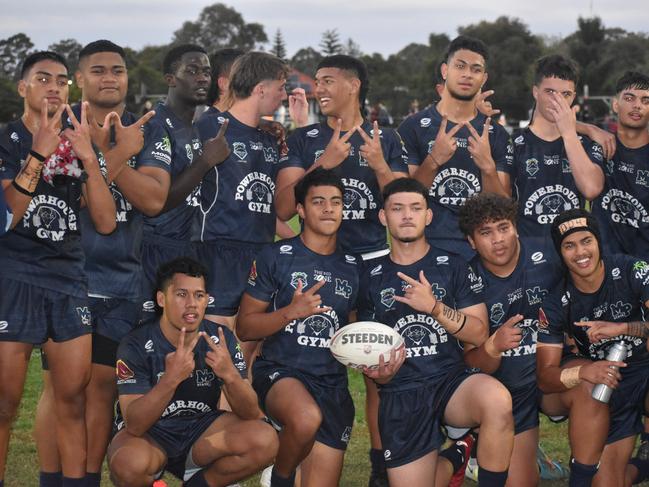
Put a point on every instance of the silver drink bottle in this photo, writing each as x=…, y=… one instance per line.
x=617, y=353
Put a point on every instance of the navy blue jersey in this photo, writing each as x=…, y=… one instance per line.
x=170, y=142
x=304, y=343
x=237, y=195
x=522, y=292
x=457, y=179
x=623, y=207
x=44, y=248
x=141, y=364
x=542, y=181
x=361, y=230
x=113, y=262
x=5, y=213
x=620, y=299
x=431, y=352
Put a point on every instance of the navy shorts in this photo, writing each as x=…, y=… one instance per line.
x=335, y=403
x=525, y=404
x=410, y=421
x=153, y=255
x=627, y=404
x=228, y=263
x=32, y=314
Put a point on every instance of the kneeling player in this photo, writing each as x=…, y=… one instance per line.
x=601, y=301
x=170, y=374
x=301, y=291
x=435, y=312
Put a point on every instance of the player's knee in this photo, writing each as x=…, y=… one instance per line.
x=497, y=406
x=128, y=469
x=305, y=423
x=8, y=409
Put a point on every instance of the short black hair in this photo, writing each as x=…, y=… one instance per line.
x=172, y=58
x=39, y=56
x=252, y=68
x=468, y=43
x=405, y=185
x=318, y=177
x=485, y=208
x=102, y=45
x=632, y=80
x=352, y=65
x=555, y=66
x=221, y=62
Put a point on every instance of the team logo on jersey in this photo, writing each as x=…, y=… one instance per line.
x=50, y=216
x=3, y=326
x=475, y=280
x=387, y=297
x=14, y=137
x=431, y=144
x=240, y=150
x=168, y=122
x=254, y=145
x=624, y=208
x=442, y=259
x=189, y=152
x=535, y=295
x=204, y=378
x=438, y=292
x=452, y=186
x=343, y=288
x=515, y=295
x=615, y=273
x=162, y=150
x=496, y=313
x=543, y=320
x=297, y=277
x=537, y=257
x=84, y=315
x=220, y=119
x=148, y=306
x=270, y=155
x=387, y=454
x=642, y=178
x=286, y=249
x=377, y=270
x=317, y=324
x=257, y=189
x=357, y=199
x=641, y=269
x=312, y=133
x=350, y=259
x=347, y=433
x=123, y=372
x=252, y=276
x=422, y=334
x=548, y=201
x=317, y=154
x=598, y=311
x=425, y=122
x=532, y=166
x=620, y=310
x=552, y=160
x=597, y=152
x=148, y=346
x=520, y=140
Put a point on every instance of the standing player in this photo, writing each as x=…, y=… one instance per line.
x=46, y=178
x=237, y=214
x=601, y=301
x=516, y=274
x=554, y=169
x=455, y=150
x=170, y=375
x=300, y=292
x=174, y=141
x=434, y=300
x=623, y=208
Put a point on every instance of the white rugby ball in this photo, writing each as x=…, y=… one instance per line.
x=361, y=344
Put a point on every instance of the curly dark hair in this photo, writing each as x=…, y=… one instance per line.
x=486, y=207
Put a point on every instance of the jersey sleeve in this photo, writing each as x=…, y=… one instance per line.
x=9, y=157
x=468, y=285
x=394, y=151
x=551, y=320
x=261, y=280
x=157, y=147
x=5, y=214
x=294, y=156
x=364, y=306
x=133, y=375
x=594, y=151
x=408, y=135
x=638, y=273
x=236, y=354
x=502, y=150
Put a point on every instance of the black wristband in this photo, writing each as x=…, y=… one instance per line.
x=20, y=189
x=37, y=156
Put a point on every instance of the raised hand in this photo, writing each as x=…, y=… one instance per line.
x=100, y=134
x=216, y=150
x=419, y=295
x=129, y=140
x=385, y=371
x=47, y=138
x=338, y=148
x=564, y=117
x=307, y=303
x=606, y=139
x=218, y=358
x=445, y=144
x=371, y=150
x=484, y=106
x=298, y=107
x=600, y=372
x=508, y=335
x=480, y=147
x=79, y=137
x=598, y=330
x=179, y=364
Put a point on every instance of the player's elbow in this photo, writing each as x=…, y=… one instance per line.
x=105, y=225
x=243, y=329
x=153, y=207
x=134, y=430
x=284, y=211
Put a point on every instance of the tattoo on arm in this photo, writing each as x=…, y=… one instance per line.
x=638, y=329
x=452, y=314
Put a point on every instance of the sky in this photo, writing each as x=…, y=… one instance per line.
x=383, y=26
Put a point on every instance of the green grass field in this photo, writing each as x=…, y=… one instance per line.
x=22, y=466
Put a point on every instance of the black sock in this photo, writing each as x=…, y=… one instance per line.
x=644, y=436
x=70, y=482
x=455, y=455
x=643, y=469
x=50, y=479
x=93, y=479
x=197, y=480
x=581, y=475
x=377, y=460
x=2, y=483
x=279, y=481
x=487, y=478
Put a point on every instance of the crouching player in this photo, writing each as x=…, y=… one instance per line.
x=434, y=300
x=170, y=374
x=601, y=301
x=517, y=274
x=300, y=292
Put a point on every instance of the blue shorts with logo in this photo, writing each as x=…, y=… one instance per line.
x=335, y=403
x=32, y=314
x=627, y=403
x=228, y=263
x=410, y=420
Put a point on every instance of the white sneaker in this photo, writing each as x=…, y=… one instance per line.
x=264, y=481
x=472, y=469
